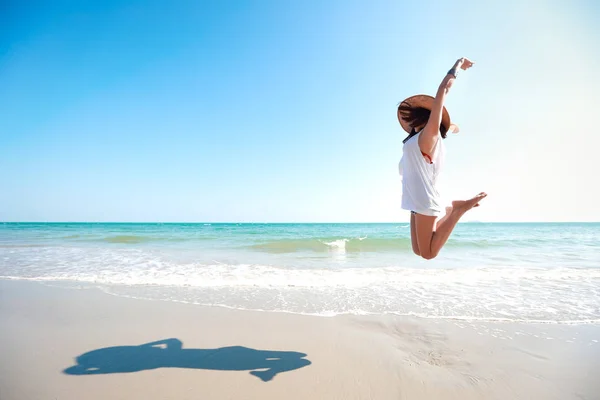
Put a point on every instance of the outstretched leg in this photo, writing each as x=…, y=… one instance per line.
x=281, y=364
x=431, y=237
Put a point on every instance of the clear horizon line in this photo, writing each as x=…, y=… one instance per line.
x=285, y=222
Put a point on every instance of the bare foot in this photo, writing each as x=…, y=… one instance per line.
x=462, y=206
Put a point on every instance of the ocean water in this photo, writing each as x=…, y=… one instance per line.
x=547, y=273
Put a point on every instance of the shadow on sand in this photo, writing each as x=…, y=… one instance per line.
x=169, y=353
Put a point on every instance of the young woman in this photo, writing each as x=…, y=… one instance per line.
x=427, y=121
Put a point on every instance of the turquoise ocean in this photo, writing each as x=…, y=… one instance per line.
x=541, y=273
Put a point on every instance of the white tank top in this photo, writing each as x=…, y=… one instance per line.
x=419, y=178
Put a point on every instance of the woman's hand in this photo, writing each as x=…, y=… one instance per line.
x=463, y=63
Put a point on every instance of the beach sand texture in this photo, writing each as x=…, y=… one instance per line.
x=59, y=343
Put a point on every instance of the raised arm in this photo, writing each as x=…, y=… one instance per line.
x=430, y=134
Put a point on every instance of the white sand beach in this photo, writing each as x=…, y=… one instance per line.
x=141, y=349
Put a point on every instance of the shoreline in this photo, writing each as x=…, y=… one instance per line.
x=68, y=284
x=226, y=353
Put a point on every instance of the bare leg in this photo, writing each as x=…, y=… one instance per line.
x=445, y=217
x=413, y=234
x=413, y=229
x=431, y=238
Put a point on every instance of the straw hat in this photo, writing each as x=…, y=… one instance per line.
x=425, y=101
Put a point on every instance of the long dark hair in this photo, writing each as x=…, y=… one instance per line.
x=417, y=117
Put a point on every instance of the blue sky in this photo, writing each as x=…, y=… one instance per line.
x=285, y=111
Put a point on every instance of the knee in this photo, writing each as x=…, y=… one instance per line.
x=417, y=252
x=428, y=255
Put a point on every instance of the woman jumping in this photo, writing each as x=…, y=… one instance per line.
x=427, y=121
